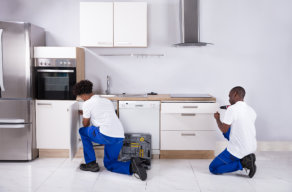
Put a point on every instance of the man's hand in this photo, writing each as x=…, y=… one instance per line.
x=222, y=126
x=217, y=115
x=80, y=112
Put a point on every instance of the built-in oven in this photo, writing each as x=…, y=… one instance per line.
x=55, y=78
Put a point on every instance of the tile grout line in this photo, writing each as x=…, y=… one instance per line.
x=92, y=187
x=37, y=188
x=197, y=180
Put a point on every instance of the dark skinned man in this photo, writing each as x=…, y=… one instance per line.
x=239, y=129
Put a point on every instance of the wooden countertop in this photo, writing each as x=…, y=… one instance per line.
x=162, y=97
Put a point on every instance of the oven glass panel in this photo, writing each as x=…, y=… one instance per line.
x=55, y=85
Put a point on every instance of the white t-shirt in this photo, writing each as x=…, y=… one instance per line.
x=102, y=114
x=242, y=138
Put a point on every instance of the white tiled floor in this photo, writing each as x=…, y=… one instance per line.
x=54, y=175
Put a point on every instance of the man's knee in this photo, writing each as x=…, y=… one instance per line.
x=212, y=168
x=107, y=165
x=82, y=130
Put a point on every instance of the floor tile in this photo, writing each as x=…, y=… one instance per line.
x=274, y=173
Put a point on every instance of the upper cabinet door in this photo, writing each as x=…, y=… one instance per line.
x=96, y=24
x=130, y=24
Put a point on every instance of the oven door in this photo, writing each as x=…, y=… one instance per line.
x=55, y=83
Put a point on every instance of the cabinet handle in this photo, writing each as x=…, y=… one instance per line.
x=188, y=114
x=190, y=107
x=123, y=43
x=188, y=134
x=104, y=43
x=44, y=104
x=138, y=105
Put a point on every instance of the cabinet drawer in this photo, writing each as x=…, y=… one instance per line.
x=188, y=140
x=188, y=121
x=189, y=107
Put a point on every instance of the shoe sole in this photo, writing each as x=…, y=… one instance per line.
x=138, y=171
x=255, y=169
x=92, y=170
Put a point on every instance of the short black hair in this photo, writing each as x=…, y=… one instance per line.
x=82, y=87
x=239, y=91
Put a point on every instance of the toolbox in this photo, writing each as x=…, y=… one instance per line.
x=137, y=145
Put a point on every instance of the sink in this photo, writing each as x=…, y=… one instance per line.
x=107, y=95
x=132, y=95
x=123, y=95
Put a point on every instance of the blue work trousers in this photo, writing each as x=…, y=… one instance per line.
x=225, y=162
x=112, y=147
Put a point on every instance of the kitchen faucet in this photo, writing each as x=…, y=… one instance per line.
x=107, y=91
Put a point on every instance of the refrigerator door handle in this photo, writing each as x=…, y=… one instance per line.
x=12, y=126
x=1, y=64
x=11, y=121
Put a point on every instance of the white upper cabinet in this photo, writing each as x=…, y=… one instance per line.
x=113, y=24
x=96, y=24
x=130, y=24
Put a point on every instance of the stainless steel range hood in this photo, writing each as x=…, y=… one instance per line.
x=190, y=23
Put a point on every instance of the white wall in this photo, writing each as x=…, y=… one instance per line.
x=252, y=48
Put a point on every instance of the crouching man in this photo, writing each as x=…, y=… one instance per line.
x=237, y=127
x=106, y=129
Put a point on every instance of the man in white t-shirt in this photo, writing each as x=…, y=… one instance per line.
x=106, y=129
x=238, y=127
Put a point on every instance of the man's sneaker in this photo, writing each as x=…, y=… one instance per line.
x=248, y=160
x=249, y=163
x=92, y=166
x=136, y=167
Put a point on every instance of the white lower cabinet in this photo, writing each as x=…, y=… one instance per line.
x=57, y=125
x=188, y=126
x=188, y=140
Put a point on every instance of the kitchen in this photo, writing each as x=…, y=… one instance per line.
x=246, y=51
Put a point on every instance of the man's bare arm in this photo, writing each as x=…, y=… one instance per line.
x=222, y=126
x=86, y=122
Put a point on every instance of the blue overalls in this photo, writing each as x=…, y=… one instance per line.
x=225, y=162
x=112, y=147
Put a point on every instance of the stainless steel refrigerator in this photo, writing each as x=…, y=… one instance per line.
x=17, y=104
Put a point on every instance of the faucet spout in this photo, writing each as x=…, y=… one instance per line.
x=107, y=91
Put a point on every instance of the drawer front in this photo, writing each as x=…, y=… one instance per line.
x=189, y=107
x=188, y=140
x=189, y=121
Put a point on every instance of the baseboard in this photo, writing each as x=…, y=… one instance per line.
x=220, y=146
x=53, y=153
x=186, y=154
x=262, y=146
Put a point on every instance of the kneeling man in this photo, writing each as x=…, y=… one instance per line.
x=238, y=127
x=106, y=129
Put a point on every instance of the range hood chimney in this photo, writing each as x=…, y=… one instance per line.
x=190, y=23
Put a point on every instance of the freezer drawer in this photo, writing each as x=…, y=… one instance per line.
x=15, y=142
x=16, y=109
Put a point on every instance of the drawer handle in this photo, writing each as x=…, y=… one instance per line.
x=188, y=114
x=192, y=107
x=44, y=104
x=138, y=105
x=188, y=134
